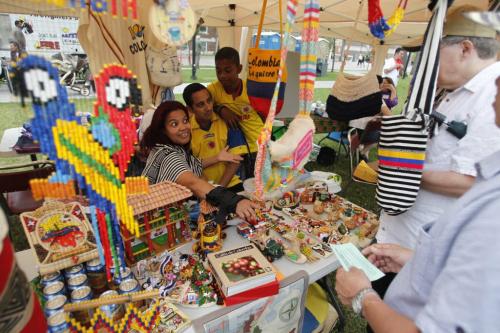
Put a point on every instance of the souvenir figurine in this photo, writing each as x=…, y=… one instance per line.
x=288, y=200
x=209, y=233
x=316, y=191
x=318, y=207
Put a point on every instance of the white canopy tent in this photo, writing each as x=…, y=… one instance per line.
x=337, y=19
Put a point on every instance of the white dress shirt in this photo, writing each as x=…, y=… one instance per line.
x=394, y=74
x=471, y=103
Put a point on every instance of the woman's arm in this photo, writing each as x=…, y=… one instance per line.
x=198, y=186
x=201, y=188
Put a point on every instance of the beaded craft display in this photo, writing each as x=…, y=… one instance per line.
x=113, y=7
x=94, y=157
x=133, y=320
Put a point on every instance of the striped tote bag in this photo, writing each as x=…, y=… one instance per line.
x=403, y=138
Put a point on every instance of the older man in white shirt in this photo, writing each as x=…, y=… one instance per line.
x=450, y=282
x=468, y=68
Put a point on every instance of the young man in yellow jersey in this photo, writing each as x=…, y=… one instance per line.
x=230, y=96
x=212, y=141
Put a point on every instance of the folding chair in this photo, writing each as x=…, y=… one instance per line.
x=16, y=196
x=340, y=137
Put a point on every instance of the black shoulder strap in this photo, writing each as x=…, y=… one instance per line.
x=424, y=81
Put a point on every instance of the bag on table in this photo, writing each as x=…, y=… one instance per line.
x=354, y=97
x=263, y=68
x=403, y=138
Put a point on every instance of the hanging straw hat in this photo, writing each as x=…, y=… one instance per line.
x=457, y=24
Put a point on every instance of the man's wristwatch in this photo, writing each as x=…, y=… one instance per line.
x=357, y=301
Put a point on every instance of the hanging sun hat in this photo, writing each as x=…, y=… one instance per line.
x=490, y=19
x=458, y=25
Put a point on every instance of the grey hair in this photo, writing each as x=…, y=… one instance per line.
x=486, y=48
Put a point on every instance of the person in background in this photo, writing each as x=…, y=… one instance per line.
x=369, y=127
x=15, y=54
x=230, y=96
x=218, y=146
x=18, y=36
x=361, y=60
x=394, y=65
x=167, y=144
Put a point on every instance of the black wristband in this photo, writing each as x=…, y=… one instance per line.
x=225, y=200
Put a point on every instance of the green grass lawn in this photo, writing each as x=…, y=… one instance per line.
x=202, y=75
x=330, y=76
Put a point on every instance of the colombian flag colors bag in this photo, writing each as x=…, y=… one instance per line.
x=263, y=68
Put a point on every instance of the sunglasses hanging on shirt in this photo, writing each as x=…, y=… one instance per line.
x=457, y=128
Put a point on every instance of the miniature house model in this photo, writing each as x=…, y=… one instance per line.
x=163, y=221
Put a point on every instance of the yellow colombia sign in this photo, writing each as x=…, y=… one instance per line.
x=263, y=65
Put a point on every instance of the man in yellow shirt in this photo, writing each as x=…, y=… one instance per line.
x=230, y=96
x=212, y=141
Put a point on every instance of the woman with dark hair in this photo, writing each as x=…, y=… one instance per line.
x=167, y=142
x=389, y=93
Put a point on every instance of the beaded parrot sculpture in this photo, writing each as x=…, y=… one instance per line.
x=96, y=157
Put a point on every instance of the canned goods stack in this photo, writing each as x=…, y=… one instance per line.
x=96, y=276
x=80, y=283
x=125, y=274
x=71, y=271
x=77, y=281
x=53, y=289
x=54, y=304
x=113, y=311
x=57, y=322
x=79, y=295
x=130, y=286
x=53, y=277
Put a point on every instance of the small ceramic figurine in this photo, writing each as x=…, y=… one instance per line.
x=318, y=207
x=288, y=200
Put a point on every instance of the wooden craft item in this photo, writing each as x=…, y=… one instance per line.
x=60, y=235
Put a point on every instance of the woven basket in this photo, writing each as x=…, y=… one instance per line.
x=349, y=88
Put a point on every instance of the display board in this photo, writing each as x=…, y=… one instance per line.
x=50, y=34
x=280, y=313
